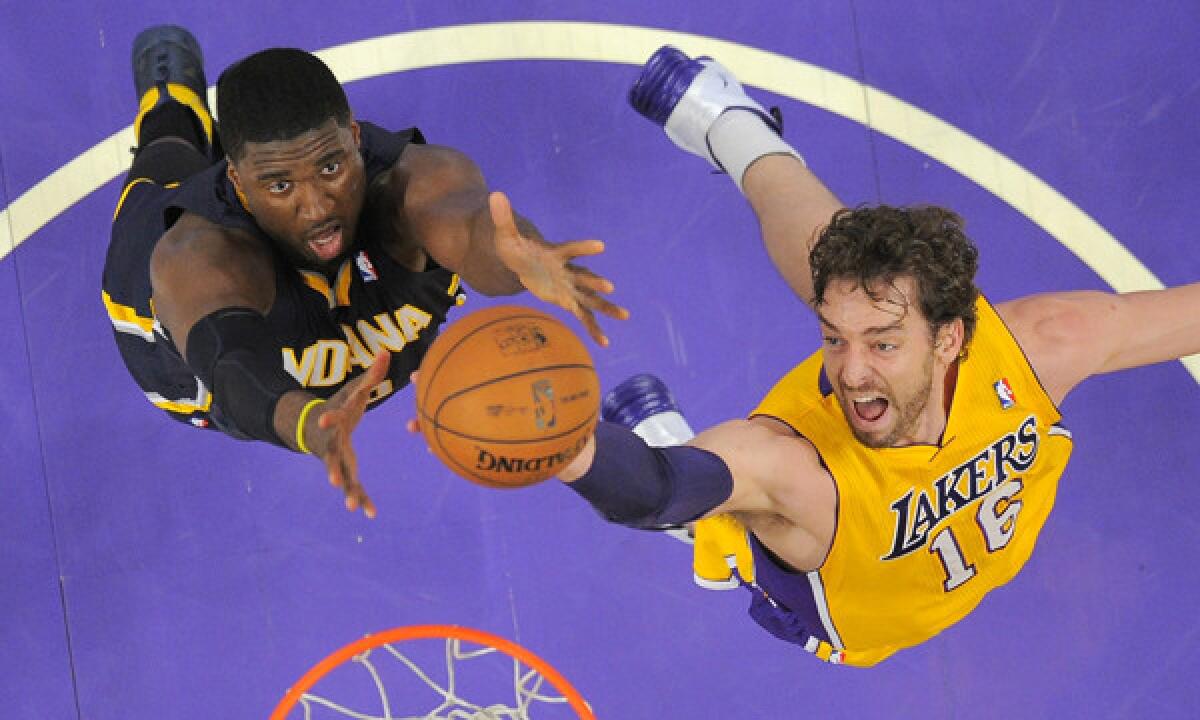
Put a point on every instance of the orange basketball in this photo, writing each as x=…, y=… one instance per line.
x=507, y=396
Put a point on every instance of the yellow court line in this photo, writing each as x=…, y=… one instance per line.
x=625, y=44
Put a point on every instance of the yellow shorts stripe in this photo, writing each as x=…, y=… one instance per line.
x=126, y=319
x=125, y=192
x=184, y=407
x=181, y=93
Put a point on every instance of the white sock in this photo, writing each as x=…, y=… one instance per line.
x=739, y=137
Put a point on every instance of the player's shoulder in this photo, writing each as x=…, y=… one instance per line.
x=423, y=177
x=435, y=162
x=195, y=244
x=1059, y=333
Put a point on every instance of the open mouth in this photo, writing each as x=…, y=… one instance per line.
x=869, y=409
x=326, y=241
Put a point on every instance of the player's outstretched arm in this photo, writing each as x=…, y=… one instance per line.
x=1071, y=336
x=449, y=212
x=212, y=288
x=325, y=429
x=792, y=206
x=705, y=111
x=750, y=468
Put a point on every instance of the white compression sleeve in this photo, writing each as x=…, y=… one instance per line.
x=739, y=137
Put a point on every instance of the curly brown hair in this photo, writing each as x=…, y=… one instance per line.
x=872, y=244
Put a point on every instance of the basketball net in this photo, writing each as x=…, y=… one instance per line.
x=381, y=656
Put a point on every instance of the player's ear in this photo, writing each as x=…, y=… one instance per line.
x=948, y=343
x=357, y=131
x=232, y=173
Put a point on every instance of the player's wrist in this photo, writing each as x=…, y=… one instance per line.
x=306, y=424
x=296, y=421
x=579, y=466
x=740, y=137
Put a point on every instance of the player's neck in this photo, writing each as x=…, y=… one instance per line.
x=948, y=386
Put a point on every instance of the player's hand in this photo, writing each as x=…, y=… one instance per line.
x=413, y=426
x=546, y=270
x=337, y=420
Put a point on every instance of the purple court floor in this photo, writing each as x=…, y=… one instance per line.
x=150, y=570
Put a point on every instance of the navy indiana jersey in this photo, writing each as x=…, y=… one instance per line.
x=329, y=328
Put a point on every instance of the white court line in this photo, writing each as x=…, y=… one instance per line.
x=601, y=42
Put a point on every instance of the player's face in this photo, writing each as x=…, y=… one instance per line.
x=886, y=365
x=306, y=192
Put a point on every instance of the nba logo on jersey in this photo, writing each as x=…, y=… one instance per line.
x=199, y=422
x=1004, y=391
x=365, y=268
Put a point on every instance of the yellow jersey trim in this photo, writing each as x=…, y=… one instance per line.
x=339, y=294
x=341, y=290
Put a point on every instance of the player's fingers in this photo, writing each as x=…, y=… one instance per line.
x=378, y=370
x=333, y=466
x=502, y=214
x=360, y=500
x=335, y=462
x=357, y=498
x=372, y=377
x=353, y=491
x=589, y=299
x=589, y=321
x=585, y=278
x=414, y=426
x=353, y=488
x=579, y=248
x=332, y=416
x=604, y=306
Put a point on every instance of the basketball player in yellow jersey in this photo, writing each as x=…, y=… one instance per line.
x=904, y=470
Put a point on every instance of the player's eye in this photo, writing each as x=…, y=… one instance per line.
x=278, y=187
x=832, y=341
x=331, y=168
x=885, y=347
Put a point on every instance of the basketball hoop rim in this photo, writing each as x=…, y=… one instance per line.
x=426, y=632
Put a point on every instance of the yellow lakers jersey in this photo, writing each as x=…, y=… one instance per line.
x=923, y=532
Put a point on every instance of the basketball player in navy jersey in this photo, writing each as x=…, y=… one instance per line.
x=276, y=280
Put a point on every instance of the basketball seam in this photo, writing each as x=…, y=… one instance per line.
x=438, y=427
x=465, y=436
x=449, y=456
x=471, y=471
x=510, y=376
